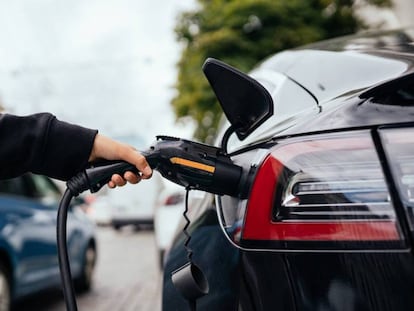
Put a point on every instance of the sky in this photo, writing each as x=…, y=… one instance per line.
x=104, y=64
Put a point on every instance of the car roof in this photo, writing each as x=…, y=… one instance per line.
x=345, y=65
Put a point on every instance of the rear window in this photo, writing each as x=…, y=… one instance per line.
x=395, y=93
x=15, y=186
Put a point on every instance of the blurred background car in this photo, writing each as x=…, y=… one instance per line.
x=169, y=215
x=28, y=250
x=99, y=208
x=133, y=205
x=324, y=216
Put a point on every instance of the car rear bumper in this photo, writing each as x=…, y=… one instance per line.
x=125, y=222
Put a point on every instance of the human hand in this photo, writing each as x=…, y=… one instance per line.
x=109, y=149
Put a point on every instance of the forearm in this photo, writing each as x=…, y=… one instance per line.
x=42, y=144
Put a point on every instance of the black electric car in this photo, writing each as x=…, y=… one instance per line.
x=324, y=219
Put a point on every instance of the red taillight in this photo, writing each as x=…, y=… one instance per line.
x=174, y=199
x=325, y=188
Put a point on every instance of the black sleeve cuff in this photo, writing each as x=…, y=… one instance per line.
x=66, y=150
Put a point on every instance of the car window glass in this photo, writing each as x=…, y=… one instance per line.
x=14, y=186
x=44, y=188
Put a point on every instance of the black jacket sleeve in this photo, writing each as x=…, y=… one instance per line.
x=42, y=144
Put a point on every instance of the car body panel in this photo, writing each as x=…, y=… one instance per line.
x=215, y=258
x=366, y=90
x=313, y=70
x=28, y=237
x=168, y=214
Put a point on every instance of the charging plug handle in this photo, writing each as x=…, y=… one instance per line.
x=186, y=163
x=194, y=165
x=100, y=174
x=97, y=175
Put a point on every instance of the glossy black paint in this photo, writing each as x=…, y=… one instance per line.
x=314, y=280
x=214, y=256
x=389, y=104
x=360, y=281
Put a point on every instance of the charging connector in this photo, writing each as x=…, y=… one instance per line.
x=187, y=163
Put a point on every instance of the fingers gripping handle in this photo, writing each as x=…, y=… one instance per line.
x=101, y=174
x=187, y=163
x=97, y=175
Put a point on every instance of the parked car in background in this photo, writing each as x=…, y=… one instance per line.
x=28, y=250
x=324, y=216
x=99, y=208
x=133, y=205
x=169, y=214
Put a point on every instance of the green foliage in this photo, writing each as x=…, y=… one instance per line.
x=243, y=32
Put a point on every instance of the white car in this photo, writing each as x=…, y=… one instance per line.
x=99, y=209
x=134, y=204
x=169, y=215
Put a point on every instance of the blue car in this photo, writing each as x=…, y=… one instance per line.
x=28, y=251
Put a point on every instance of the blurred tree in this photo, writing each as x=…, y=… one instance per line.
x=1, y=105
x=242, y=32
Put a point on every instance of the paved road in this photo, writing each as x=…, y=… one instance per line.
x=127, y=277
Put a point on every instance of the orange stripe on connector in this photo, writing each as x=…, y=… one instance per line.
x=193, y=164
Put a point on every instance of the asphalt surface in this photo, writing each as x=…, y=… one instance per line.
x=126, y=277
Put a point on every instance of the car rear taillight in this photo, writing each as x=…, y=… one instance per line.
x=174, y=199
x=399, y=149
x=327, y=190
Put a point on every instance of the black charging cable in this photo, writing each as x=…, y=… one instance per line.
x=191, y=302
x=187, y=224
x=65, y=273
x=189, y=280
x=93, y=179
